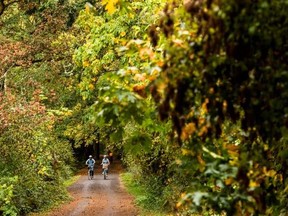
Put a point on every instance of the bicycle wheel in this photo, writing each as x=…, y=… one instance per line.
x=105, y=174
x=91, y=174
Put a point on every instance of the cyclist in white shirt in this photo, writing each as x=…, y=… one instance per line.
x=105, y=161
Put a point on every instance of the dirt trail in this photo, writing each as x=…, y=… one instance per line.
x=98, y=196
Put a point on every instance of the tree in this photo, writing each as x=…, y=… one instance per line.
x=222, y=83
x=36, y=158
x=222, y=66
x=104, y=92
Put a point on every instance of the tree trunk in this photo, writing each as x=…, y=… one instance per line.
x=97, y=147
x=3, y=83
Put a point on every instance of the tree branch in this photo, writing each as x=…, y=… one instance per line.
x=2, y=7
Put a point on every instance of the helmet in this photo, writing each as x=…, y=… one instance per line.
x=90, y=156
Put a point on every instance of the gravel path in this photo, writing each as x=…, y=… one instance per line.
x=98, y=196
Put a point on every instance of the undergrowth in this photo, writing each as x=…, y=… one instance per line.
x=144, y=199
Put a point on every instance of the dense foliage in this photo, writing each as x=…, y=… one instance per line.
x=34, y=162
x=192, y=93
x=223, y=66
x=221, y=81
x=35, y=158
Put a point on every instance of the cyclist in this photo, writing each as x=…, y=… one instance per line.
x=105, y=161
x=90, y=163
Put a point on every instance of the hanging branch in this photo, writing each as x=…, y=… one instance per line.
x=3, y=81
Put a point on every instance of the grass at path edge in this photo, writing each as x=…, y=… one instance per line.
x=139, y=194
x=47, y=209
x=71, y=180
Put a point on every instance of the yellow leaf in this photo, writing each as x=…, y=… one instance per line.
x=160, y=63
x=233, y=150
x=110, y=5
x=204, y=109
x=88, y=6
x=253, y=184
x=269, y=173
x=200, y=160
x=188, y=130
x=140, y=77
x=179, y=162
x=186, y=152
x=91, y=86
x=203, y=130
x=228, y=181
x=130, y=15
x=42, y=171
x=178, y=204
x=85, y=64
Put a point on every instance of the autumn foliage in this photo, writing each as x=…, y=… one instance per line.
x=191, y=94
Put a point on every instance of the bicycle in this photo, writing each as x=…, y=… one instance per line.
x=90, y=172
x=105, y=171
